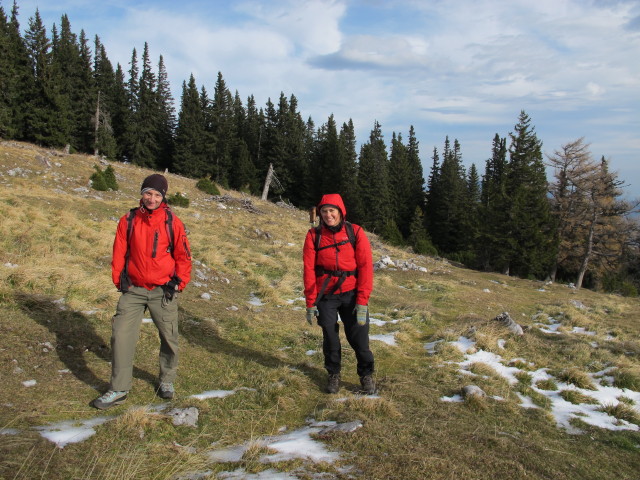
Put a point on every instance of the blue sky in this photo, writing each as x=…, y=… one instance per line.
x=462, y=68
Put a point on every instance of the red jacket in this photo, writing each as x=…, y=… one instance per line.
x=148, y=238
x=343, y=257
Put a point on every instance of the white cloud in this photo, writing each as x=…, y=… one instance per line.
x=463, y=69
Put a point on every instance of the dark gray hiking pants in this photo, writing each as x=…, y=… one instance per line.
x=358, y=336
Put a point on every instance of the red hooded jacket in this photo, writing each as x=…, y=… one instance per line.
x=150, y=264
x=343, y=257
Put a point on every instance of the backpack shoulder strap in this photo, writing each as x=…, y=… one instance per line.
x=350, y=234
x=352, y=237
x=130, y=217
x=169, y=224
x=318, y=231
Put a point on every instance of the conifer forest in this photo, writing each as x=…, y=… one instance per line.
x=59, y=89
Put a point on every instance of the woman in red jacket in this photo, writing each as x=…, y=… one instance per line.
x=151, y=263
x=338, y=280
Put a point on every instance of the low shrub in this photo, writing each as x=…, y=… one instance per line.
x=104, y=180
x=178, y=200
x=207, y=186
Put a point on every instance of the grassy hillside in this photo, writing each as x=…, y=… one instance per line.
x=243, y=332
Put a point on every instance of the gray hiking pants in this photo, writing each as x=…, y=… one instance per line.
x=126, y=331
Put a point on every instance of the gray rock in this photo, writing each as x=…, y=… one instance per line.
x=473, y=390
x=508, y=322
x=578, y=304
x=184, y=416
x=341, y=428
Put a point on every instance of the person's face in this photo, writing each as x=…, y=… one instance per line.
x=151, y=199
x=330, y=216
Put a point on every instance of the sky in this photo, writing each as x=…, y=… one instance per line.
x=463, y=69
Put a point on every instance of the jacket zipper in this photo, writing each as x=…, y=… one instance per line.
x=155, y=244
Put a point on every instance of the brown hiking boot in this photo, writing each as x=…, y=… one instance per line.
x=368, y=385
x=334, y=383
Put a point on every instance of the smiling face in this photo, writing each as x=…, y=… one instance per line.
x=331, y=216
x=151, y=199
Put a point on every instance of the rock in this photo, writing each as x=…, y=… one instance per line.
x=508, y=322
x=341, y=428
x=578, y=304
x=473, y=390
x=184, y=416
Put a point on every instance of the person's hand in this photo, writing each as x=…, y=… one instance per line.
x=311, y=313
x=361, y=312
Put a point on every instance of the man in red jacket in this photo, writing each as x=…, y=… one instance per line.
x=338, y=279
x=151, y=263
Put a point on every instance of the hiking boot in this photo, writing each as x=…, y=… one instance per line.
x=166, y=390
x=368, y=385
x=109, y=399
x=334, y=383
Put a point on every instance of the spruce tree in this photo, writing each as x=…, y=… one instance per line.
x=165, y=133
x=447, y=203
x=432, y=197
x=530, y=223
x=416, y=195
x=349, y=188
x=122, y=116
x=252, y=137
x=373, y=183
x=399, y=178
x=146, y=117
x=242, y=175
x=127, y=141
x=6, y=69
x=222, y=131
x=17, y=79
x=418, y=237
x=492, y=249
x=471, y=227
x=40, y=111
x=84, y=99
x=105, y=84
x=326, y=168
x=73, y=92
x=295, y=151
x=190, y=157
x=272, y=147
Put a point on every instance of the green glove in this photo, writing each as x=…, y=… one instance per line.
x=311, y=312
x=362, y=312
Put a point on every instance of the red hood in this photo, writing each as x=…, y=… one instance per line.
x=332, y=199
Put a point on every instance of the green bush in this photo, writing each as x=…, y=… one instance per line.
x=391, y=233
x=617, y=283
x=104, y=180
x=207, y=186
x=110, y=177
x=178, y=200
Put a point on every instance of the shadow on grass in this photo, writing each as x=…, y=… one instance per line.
x=212, y=341
x=74, y=334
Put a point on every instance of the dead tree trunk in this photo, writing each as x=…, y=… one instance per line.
x=267, y=182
